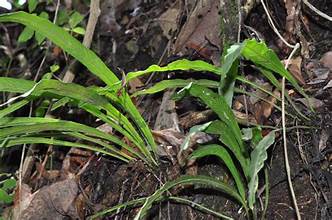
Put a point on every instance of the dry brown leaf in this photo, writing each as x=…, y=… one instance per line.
x=22, y=199
x=105, y=128
x=324, y=137
x=50, y=202
x=134, y=85
x=290, y=19
x=168, y=20
x=328, y=85
x=263, y=109
x=295, y=69
x=315, y=103
x=201, y=31
x=168, y=140
x=326, y=60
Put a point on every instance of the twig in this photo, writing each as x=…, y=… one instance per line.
x=240, y=21
x=90, y=29
x=322, y=14
x=283, y=116
x=274, y=27
x=91, y=26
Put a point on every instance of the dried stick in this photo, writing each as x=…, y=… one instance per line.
x=274, y=27
x=323, y=15
x=283, y=117
x=90, y=29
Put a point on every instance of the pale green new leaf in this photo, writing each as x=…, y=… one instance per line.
x=32, y=4
x=184, y=65
x=193, y=130
x=233, y=53
x=257, y=159
x=75, y=19
x=176, y=83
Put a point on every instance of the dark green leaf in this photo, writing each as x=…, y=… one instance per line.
x=227, y=138
x=261, y=55
x=198, y=181
x=222, y=154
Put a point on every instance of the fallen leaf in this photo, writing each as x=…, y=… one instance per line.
x=295, y=69
x=326, y=60
x=324, y=137
x=315, y=103
x=328, y=85
x=51, y=202
x=168, y=20
x=201, y=32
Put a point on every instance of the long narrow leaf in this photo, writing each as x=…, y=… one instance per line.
x=261, y=55
x=52, y=141
x=258, y=157
x=219, y=105
x=176, y=83
x=83, y=95
x=87, y=57
x=203, y=181
x=131, y=203
x=13, y=107
x=64, y=40
x=199, y=207
x=184, y=64
x=226, y=136
x=24, y=126
x=222, y=154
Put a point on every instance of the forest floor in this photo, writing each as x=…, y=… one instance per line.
x=138, y=34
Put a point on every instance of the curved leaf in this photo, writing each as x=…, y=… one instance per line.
x=184, y=64
x=202, y=181
x=222, y=154
x=176, y=83
x=227, y=138
x=219, y=105
x=258, y=157
x=52, y=141
x=90, y=100
x=261, y=55
x=15, y=127
x=87, y=57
